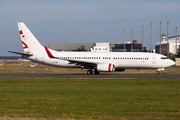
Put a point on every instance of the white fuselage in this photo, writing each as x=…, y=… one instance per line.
x=124, y=60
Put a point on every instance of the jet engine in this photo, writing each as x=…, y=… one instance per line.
x=108, y=67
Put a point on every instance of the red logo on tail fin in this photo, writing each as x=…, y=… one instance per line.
x=25, y=45
x=20, y=32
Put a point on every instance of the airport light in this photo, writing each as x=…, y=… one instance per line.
x=124, y=40
x=160, y=35
x=142, y=37
x=132, y=39
x=151, y=36
x=176, y=39
x=167, y=40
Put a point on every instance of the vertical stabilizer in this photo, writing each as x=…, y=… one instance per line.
x=29, y=42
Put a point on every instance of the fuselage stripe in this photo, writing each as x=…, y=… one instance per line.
x=110, y=67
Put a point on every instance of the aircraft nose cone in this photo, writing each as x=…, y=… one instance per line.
x=171, y=62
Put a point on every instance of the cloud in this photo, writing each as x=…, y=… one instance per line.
x=70, y=11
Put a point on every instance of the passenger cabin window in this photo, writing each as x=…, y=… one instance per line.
x=164, y=58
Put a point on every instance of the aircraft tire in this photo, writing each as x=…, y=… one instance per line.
x=96, y=72
x=89, y=72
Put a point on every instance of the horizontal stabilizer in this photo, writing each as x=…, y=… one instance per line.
x=20, y=53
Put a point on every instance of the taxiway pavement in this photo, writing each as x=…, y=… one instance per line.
x=17, y=75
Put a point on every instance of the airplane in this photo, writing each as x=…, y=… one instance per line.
x=23, y=60
x=94, y=62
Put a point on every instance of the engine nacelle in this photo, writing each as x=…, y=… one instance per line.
x=108, y=67
x=119, y=69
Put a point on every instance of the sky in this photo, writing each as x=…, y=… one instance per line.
x=86, y=21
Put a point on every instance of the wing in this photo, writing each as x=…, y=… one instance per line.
x=84, y=64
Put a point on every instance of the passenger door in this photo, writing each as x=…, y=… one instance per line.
x=154, y=59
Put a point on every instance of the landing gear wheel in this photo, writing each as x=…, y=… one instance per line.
x=96, y=72
x=157, y=72
x=89, y=72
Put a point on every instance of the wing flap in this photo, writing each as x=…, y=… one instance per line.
x=86, y=64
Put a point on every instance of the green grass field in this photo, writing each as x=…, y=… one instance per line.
x=44, y=69
x=90, y=98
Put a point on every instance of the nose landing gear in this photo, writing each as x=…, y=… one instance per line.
x=160, y=69
x=157, y=72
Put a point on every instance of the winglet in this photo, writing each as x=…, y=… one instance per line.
x=91, y=50
x=48, y=52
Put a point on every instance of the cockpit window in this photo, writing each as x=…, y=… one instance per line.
x=164, y=58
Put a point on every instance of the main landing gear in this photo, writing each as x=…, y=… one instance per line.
x=96, y=72
x=91, y=72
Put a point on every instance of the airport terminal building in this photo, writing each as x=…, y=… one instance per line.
x=171, y=45
x=98, y=47
x=137, y=47
x=70, y=46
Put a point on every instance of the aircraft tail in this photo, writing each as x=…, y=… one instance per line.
x=29, y=42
